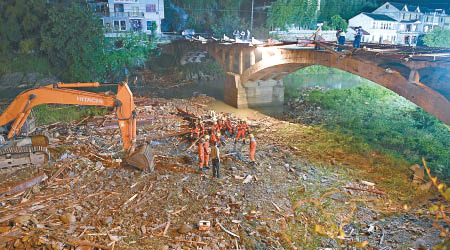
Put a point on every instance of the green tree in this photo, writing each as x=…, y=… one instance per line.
x=129, y=50
x=279, y=14
x=301, y=13
x=438, y=37
x=337, y=22
x=345, y=8
x=211, y=16
x=20, y=21
x=226, y=25
x=72, y=39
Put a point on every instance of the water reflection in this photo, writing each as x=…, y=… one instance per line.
x=215, y=88
x=326, y=80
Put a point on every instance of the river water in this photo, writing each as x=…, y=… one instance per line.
x=215, y=88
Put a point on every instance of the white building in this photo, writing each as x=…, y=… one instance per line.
x=130, y=15
x=382, y=28
x=410, y=22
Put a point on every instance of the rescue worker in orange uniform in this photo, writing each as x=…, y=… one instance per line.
x=195, y=132
x=228, y=127
x=242, y=127
x=201, y=127
x=214, y=128
x=219, y=139
x=213, y=131
x=252, y=150
x=220, y=124
x=213, y=138
x=201, y=154
x=207, y=151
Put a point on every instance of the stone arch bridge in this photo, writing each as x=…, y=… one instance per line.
x=254, y=73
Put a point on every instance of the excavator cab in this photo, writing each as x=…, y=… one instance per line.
x=15, y=117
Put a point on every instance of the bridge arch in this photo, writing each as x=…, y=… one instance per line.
x=422, y=87
x=253, y=69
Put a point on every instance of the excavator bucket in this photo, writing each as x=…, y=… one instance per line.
x=142, y=158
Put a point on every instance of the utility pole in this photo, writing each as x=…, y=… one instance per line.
x=251, y=25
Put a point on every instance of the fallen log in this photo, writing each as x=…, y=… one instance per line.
x=12, y=235
x=78, y=242
x=23, y=185
x=17, y=213
x=166, y=136
x=227, y=231
x=365, y=190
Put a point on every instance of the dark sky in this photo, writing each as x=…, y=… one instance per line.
x=435, y=4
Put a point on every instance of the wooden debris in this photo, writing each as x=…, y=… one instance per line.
x=227, y=231
x=166, y=228
x=23, y=185
x=376, y=191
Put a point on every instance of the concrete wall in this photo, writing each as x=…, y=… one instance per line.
x=293, y=34
x=259, y=93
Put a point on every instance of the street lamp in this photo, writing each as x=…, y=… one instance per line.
x=251, y=25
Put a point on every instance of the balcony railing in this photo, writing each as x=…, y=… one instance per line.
x=121, y=14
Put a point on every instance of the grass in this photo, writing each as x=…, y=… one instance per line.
x=46, y=114
x=374, y=118
x=370, y=118
x=25, y=63
x=374, y=133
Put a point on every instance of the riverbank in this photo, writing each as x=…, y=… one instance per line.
x=290, y=200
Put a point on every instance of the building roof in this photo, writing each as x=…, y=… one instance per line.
x=411, y=7
x=411, y=21
x=397, y=5
x=380, y=17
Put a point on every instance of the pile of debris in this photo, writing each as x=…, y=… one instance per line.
x=86, y=200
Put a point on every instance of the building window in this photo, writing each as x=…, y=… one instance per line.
x=135, y=11
x=118, y=7
x=374, y=25
x=116, y=25
x=151, y=25
x=387, y=6
x=123, y=25
x=150, y=8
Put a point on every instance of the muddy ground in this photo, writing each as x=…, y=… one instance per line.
x=287, y=201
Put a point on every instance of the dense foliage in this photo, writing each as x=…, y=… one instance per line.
x=72, y=39
x=388, y=122
x=300, y=13
x=20, y=22
x=213, y=17
x=372, y=117
x=128, y=50
x=438, y=37
x=345, y=8
x=336, y=22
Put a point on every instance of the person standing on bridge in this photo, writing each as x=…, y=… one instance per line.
x=340, y=38
x=358, y=37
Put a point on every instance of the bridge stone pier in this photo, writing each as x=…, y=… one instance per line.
x=253, y=93
x=254, y=73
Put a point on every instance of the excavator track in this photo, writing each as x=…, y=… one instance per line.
x=19, y=157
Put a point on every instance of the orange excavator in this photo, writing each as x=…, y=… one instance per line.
x=16, y=149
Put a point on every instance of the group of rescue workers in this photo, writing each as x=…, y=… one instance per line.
x=210, y=138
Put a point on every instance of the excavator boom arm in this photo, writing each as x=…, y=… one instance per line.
x=20, y=108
